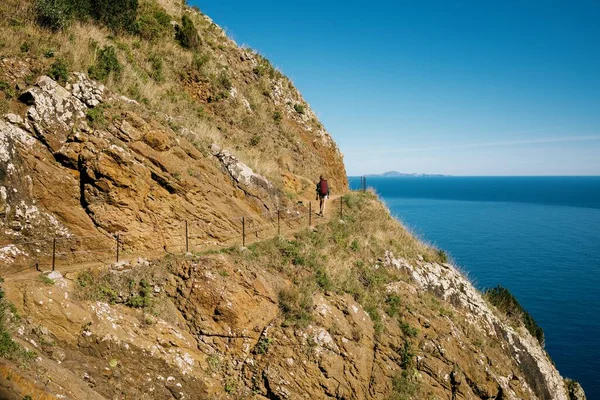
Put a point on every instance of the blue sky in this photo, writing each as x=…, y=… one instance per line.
x=452, y=87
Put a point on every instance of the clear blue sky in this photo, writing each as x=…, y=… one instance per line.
x=452, y=87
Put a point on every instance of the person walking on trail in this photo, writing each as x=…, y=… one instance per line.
x=322, y=194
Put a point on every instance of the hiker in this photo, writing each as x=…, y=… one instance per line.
x=322, y=194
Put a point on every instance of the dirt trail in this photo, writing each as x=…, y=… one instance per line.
x=332, y=210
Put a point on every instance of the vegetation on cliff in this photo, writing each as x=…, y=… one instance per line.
x=177, y=62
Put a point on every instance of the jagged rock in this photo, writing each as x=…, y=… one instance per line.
x=575, y=390
x=240, y=172
x=87, y=91
x=53, y=112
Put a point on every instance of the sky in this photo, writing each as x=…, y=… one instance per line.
x=450, y=87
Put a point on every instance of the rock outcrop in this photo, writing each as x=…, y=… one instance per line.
x=132, y=176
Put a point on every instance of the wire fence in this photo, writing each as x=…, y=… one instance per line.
x=192, y=235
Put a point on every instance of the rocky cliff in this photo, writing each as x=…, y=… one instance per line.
x=137, y=138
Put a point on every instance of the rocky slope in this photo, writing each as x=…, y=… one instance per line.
x=356, y=308
x=332, y=313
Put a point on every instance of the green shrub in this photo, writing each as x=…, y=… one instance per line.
x=199, y=61
x=255, y=140
x=9, y=349
x=59, y=70
x=277, y=117
x=45, y=280
x=152, y=21
x=299, y=108
x=408, y=330
x=296, y=305
x=504, y=301
x=404, y=387
x=107, y=64
x=156, y=64
x=96, y=117
x=143, y=298
x=407, y=355
x=442, y=256
x=119, y=15
x=262, y=347
x=4, y=106
x=53, y=14
x=322, y=279
x=187, y=35
x=224, y=81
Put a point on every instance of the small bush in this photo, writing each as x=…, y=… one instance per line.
x=107, y=64
x=59, y=70
x=299, y=108
x=96, y=117
x=45, y=280
x=442, y=256
x=25, y=47
x=143, y=298
x=277, y=117
x=262, y=347
x=53, y=14
x=119, y=15
x=504, y=301
x=255, y=140
x=4, y=106
x=199, y=61
x=404, y=387
x=224, y=81
x=9, y=349
x=296, y=305
x=156, y=72
x=407, y=355
x=152, y=21
x=187, y=35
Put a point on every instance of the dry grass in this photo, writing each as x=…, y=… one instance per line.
x=243, y=123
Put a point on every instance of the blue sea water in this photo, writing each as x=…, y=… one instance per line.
x=537, y=236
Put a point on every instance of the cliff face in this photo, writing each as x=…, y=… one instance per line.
x=355, y=308
x=81, y=160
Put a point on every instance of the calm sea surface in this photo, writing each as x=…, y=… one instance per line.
x=537, y=236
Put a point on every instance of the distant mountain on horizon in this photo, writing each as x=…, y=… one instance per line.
x=396, y=174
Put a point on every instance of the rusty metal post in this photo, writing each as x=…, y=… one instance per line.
x=187, y=247
x=243, y=231
x=278, y=224
x=117, y=247
x=309, y=213
x=365, y=190
x=53, y=253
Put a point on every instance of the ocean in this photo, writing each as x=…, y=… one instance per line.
x=537, y=236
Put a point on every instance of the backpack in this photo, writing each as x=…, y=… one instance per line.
x=323, y=189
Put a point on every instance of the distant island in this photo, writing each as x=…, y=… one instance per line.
x=396, y=174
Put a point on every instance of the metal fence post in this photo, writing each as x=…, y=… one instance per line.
x=309, y=213
x=187, y=247
x=117, y=247
x=278, y=224
x=53, y=253
x=243, y=231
